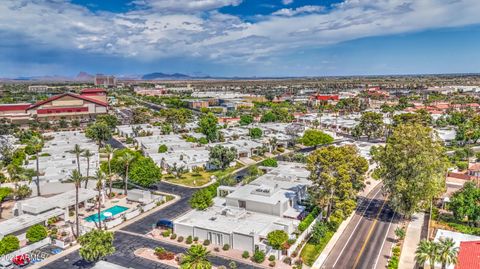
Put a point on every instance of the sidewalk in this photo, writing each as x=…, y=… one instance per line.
x=412, y=238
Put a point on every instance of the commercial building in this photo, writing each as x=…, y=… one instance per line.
x=105, y=81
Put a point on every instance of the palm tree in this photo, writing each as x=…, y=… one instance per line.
x=196, y=258
x=37, y=144
x=100, y=177
x=77, y=178
x=77, y=151
x=87, y=154
x=109, y=151
x=126, y=160
x=447, y=252
x=426, y=251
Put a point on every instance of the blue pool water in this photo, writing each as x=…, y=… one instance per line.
x=114, y=210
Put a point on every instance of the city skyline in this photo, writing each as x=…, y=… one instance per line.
x=239, y=38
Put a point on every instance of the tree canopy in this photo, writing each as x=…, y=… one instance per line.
x=208, y=126
x=246, y=119
x=255, y=133
x=221, y=157
x=337, y=173
x=277, y=238
x=412, y=166
x=313, y=137
x=371, y=125
x=196, y=257
x=465, y=204
x=36, y=233
x=99, y=131
x=96, y=245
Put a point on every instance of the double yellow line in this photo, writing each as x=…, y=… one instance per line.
x=369, y=234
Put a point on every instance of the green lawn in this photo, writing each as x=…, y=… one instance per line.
x=194, y=179
x=310, y=251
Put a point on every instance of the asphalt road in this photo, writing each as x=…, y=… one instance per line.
x=362, y=243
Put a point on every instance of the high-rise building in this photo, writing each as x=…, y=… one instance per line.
x=105, y=80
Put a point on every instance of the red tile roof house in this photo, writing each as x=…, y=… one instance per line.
x=468, y=255
x=88, y=104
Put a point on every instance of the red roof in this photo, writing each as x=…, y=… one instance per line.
x=14, y=107
x=469, y=255
x=53, y=98
x=92, y=90
x=325, y=97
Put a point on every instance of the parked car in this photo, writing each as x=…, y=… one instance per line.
x=165, y=223
x=6, y=265
x=21, y=260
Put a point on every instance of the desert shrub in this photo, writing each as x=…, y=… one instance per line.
x=245, y=255
x=226, y=247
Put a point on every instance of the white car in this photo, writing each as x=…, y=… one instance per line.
x=6, y=265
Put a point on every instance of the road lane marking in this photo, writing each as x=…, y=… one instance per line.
x=372, y=227
x=355, y=228
x=384, y=239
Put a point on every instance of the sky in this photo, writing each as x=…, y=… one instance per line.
x=239, y=37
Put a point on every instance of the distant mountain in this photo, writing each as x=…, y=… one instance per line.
x=84, y=76
x=163, y=76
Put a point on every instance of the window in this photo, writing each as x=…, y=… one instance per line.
x=242, y=204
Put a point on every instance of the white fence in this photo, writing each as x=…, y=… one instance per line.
x=303, y=236
x=132, y=214
x=27, y=249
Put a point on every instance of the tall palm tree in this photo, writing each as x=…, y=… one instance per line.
x=126, y=160
x=196, y=258
x=76, y=178
x=109, y=151
x=447, y=252
x=426, y=251
x=100, y=177
x=87, y=154
x=77, y=150
x=37, y=144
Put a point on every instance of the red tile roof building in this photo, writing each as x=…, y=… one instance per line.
x=468, y=255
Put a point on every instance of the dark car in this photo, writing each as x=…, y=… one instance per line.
x=165, y=223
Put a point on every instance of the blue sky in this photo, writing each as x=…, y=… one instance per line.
x=239, y=37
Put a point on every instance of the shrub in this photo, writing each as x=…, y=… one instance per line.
x=287, y=260
x=291, y=241
x=162, y=148
x=173, y=236
x=245, y=255
x=272, y=258
x=166, y=233
x=216, y=249
x=277, y=238
x=162, y=254
x=226, y=247
x=400, y=233
x=232, y=265
x=319, y=231
x=206, y=242
x=36, y=233
x=189, y=240
x=195, y=239
x=308, y=220
x=270, y=162
x=271, y=264
x=180, y=239
x=258, y=256
x=8, y=244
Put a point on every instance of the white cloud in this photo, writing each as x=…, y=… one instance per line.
x=289, y=12
x=287, y=2
x=150, y=34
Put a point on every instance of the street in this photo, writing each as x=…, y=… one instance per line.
x=367, y=239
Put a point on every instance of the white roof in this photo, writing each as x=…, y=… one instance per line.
x=38, y=204
x=25, y=221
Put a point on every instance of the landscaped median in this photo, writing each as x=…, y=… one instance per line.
x=199, y=177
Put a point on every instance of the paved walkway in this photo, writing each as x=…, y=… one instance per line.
x=412, y=238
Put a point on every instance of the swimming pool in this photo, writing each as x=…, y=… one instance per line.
x=115, y=210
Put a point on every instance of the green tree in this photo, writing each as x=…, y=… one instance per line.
x=9, y=244
x=37, y=143
x=96, y=245
x=268, y=116
x=162, y=148
x=464, y=204
x=76, y=178
x=320, y=230
x=100, y=132
x=412, y=166
x=246, y=119
x=371, y=124
x=77, y=151
x=201, y=199
x=87, y=154
x=36, y=233
x=313, y=137
x=108, y=119
x=208, y=126
x=447, y=252
x=426, y=251
x=421, y=117
x=337, y=173
x=277, y=238
x=126, y=160
x=221, y=157
x=109, y=150
x=176, y=117
x=255, y=133
x=144, y=172
x=196, y=257
x=4, y=193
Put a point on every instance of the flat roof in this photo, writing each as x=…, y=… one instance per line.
x=108, y=265
x=38, y=205
x=26, y=220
